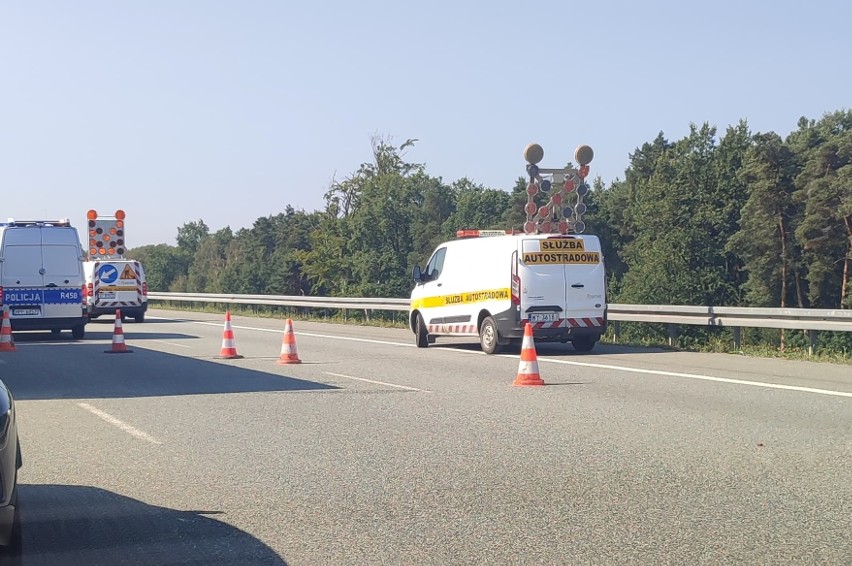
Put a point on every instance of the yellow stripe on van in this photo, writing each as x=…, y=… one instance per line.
x=552, y=258
x=462, y=298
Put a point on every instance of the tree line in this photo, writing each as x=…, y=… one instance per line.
x=738, y=218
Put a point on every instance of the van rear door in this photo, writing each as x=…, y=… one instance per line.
x=63, y=280
x=585, y=284
x=117, y=284
x=562, y=280
x=543, y=286
x=22, y=280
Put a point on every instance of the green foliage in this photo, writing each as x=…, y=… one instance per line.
x=165, y=265
x=190, y=236
x=730, y=219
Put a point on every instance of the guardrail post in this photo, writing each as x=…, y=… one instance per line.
x=367, y=314
x=812, y=342
x=738, y=337
x=616, y=330
x=672, y=334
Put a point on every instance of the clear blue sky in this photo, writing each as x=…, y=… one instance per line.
x=176, y=110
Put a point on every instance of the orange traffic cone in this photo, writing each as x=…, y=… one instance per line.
x=7, y=344
x=229, y=347
x=288, y=346
x=528, y=368
x=118, y=345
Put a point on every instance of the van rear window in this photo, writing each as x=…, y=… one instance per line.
x=62, y=261
x=21, y=261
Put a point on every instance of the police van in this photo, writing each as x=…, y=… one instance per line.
x=41, y=276
x=490, y=283
x=116, y=284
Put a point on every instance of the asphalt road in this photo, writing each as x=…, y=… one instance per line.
x=375, y=452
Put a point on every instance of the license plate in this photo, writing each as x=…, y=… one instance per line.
x=544, y=317
x=106, y=295
x=26, y=312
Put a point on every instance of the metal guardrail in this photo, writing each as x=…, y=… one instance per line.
x=288, y=301
x=736, y=318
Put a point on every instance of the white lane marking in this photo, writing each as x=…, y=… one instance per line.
x=119, y=423
x=663, y=373
x=702, y=377
x=172, y=343
x=312, y=335
x=376, y=382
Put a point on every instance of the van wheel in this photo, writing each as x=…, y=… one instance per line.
x=78, y=332
x=583, y=343
x=488, y=336
x=139, y=318
x=421, y=335
x=55, y=331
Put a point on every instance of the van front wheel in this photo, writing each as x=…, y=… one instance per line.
x=421, y=335
x=78, y=332
x=488, y=336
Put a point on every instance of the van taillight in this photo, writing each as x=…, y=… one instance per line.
x=516, y=281
x=88, y=290
x=1, y=295
x=145, y=288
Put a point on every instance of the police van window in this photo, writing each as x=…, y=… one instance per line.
x=435, y=265
x=21, y=261
x=61, y=260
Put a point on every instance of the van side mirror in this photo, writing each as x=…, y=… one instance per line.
x=416, y=274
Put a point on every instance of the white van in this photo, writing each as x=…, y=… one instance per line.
x=41, y=276
x=490, y=284
x=116, y=284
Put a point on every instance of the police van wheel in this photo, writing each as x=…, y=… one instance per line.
x=139, y=318
x=421, y=335
x=78, y=332
x=55, y=331
x=488, y=337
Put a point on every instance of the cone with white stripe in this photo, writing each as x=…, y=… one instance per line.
x=288, y=346
x=528, y=367
x=229, y=346
x=118, y=345
x=7, y=344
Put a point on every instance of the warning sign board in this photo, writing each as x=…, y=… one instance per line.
x=586, y=258
x=128, y=273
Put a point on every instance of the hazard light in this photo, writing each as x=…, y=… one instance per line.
x=554, y=202
x=106, y=235
x=481, y=233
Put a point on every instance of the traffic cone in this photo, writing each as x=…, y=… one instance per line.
x=7, y=344
x=229, y=347
x=118, y=345
x=528, y=367
x=288, y=346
